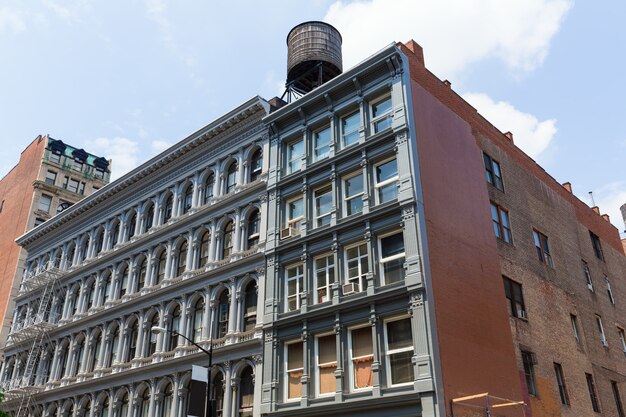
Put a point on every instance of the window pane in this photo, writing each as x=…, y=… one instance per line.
x=354, y=185
x=350, y=129
x=322, y=142
x=386, y=171
x=294, y=356
x=362, y=342
x=296, y=209
x=327, y=349
x=392, y=245
x=401, y=367
x=399, y=334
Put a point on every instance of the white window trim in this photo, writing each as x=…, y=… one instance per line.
x=383, y=261
x=347, y=199
x=603, y=339
x=389, y=352
x=379, y=185
x=287, y=370
x=574, y=323
x=351, y=380
x=387, y=114
x=292, y=223
x=326, y=273
x=315, y=158
x=317, y=216
x=361, y=275
x=343, y=133
x=299, y=283
x=609, y=290
x=290, y=158
x=622, y=338
x=317, y=364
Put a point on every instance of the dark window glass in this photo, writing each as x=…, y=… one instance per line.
x=513, y=292
x=618, y=399
x=543, y=249
x=493, y=172
x=528, y=360
x=256, y=165
x=560, y=380
x=597, y=246
x=595, y=405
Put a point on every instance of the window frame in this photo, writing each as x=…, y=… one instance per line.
x=622, y=338
x=351, y=358
x=596, y=245
x=291, y=161
x=510, y=287
x=299, y=279
x=346, y=199
x=609, y=290
x=326, y=269
x=51, y=179
x=49, y=204
x=342, y=130
x=294, y=223
x=288, y=370
x=389, y=352
x=543, y=248
x=362, y=276
x=593, y=394
x=391, y=182
x=317, y=372
x=382, y=261
x=528, y=362
x=493, y=171
x=560, y=382
x=575, y=328
x=319, y=217
x=587, y=274
x=501, y=230
x=381, y=118
x=316, y=145
x=603, y=340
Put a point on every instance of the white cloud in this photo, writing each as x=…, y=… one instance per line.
x=609, y=198
x=158, y=146
x=11, y=20
x=123, y=151
x=531, y=135
x=454, y=33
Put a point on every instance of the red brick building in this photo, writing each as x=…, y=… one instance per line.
x=49, y=177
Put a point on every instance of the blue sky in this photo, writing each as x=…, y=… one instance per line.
x=126, y=79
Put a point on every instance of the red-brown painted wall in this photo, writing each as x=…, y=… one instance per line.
x=16, y=190
x=473, y=331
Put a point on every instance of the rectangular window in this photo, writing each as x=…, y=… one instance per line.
x=543, y=249
x=321, y=144
x=295, y=151
x=324, y=277
x=357, y=268
x=294, y=286
x=609, y=290
x=381, y=114
x=45, y=201
x=386, y=181
x=295, y=369
x=622, y=339
x=323, y=205
x=51, y=177
x=513, y=292
x=65, y=180
x=295, y=216
x=353, y=194
x=326, y=363
x=72, y=185
x=399, y=341
x=528, y=360
x=350, y=129
x=361, y=357
x=574, y=321
x=603, y=340
x=77, y=165
x=597, y=246
x=560, y=381
x=55, y=157
x=501, y=225
x=81, y=188
x=392, y=258
x=618, y=399
x=587, y=276
x=595, y=405
x=99, y=173
x=493, y=172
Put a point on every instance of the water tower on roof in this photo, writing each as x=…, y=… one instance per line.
x=313, y=57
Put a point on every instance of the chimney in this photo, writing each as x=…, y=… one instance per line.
x=596, y=209
x=509, y=136
x=568, y=186
x=447, y=83
x=417, y=50
x=606, y=217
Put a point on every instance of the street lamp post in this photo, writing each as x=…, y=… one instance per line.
x=208, y=408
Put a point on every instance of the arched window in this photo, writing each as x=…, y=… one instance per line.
x=123, y=280
x=56, y=310
x=227, y=244
x=58, y=255
x=124, y=408
x=246, y=393
x=115, y=341
x=99, y=242
x=152, y=336
x=94, y=357
x=188, y=198
x=69, y=260
x=115, y=234
x=166, y=401
x=87, y=409
x=217, y=385
x=223, y=310
x=131, y=225
x=147, y=224
x=208, y=188
x=181, y=259
x=143, y=403
x=160, y=267
x=89, y=297
x=256, y=165
x=174, y=327
x=204, y=249
x=231, y=178
x=198, y=315
x=107, y=288
x=169, y=205
x=254, y=227
x=250, y=301
x=141, y=274
x=84, y=249
x=70, y=410
x=104, y=411
x=72, y=300
x=80, y=349
x=132, y=345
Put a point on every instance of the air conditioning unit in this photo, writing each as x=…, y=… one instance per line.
x=522, y=314
x=349, y=288
x=288, y=232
